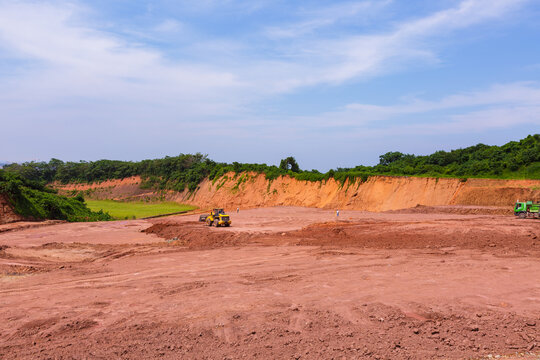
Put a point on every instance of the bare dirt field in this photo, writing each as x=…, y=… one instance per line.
x=284, y=283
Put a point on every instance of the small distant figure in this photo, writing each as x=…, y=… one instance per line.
x=337, y=213
x=237, y=210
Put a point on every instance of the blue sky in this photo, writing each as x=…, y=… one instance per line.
x=333, y=83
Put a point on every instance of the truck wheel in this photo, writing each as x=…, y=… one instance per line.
x=216, y=223
x=522, y=215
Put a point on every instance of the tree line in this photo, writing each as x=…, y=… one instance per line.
x=516, y=159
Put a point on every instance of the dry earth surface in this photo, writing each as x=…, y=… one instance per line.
x=280, y=283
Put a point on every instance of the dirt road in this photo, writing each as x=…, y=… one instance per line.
x=280, y=283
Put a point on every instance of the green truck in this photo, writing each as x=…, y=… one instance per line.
x=527, y=209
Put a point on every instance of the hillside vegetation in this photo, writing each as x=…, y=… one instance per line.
x=514, y=160
x=32, y=200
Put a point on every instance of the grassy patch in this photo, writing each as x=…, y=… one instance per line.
x=136, y=210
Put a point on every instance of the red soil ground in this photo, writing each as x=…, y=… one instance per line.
x=281, y=283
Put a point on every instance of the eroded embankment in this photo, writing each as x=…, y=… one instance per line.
x=114, y=189
x=378, y=193
x=7, y=215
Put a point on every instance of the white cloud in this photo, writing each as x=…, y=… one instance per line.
x=500, y=106
x=413, y=41
x=72, y=61
x=522, y=93
x=298, y=61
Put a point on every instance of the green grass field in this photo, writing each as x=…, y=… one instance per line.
x=130, y=210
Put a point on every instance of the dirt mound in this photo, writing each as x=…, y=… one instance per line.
x=197, y=236
x=443, y=234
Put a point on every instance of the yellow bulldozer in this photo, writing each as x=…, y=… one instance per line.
x=217, y=217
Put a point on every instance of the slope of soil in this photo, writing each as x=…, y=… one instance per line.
x=7, y=215
x=378, y=193
x=278, y=284
x=115, y=189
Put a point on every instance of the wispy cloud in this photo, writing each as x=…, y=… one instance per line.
x=70, y=60
x=315, y=19
x=500, y=106
x=366, y=55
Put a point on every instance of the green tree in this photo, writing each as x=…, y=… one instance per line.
x=289, y=163
x=390, y=157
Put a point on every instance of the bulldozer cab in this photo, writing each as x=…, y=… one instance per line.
x=217, y=212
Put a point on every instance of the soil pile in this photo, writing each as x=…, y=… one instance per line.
x=420, y=235
x=197, y=236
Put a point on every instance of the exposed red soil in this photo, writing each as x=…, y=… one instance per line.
x=378, y=193
x=456, y=209
x=20, y=225
x=442, y=234
x=7, y=215
x=280, y=283
x=115, y=189
x=194, y=235
x=399, y=230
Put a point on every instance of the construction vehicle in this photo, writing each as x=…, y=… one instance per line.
x=217, y=217
x=527, y=209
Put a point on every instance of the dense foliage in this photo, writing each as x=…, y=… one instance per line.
x=34, y=201
x=516, y=159
x=513, y=160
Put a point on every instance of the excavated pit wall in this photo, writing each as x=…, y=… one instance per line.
x=378, y=193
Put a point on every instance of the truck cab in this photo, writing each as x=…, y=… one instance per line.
x=526, y=209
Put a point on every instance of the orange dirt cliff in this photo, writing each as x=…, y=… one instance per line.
x=378, y=193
